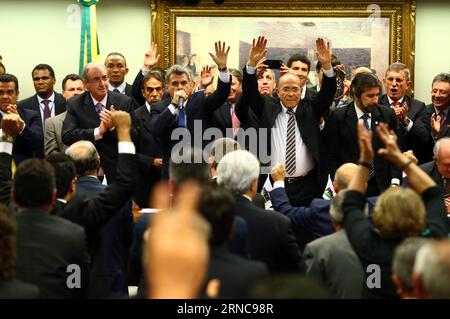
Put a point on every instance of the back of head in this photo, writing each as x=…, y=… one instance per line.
x=85, y=157
x=216, y=205
x=188, y=163
x=336, y=212
x=7, y=243
x=222, y=147
x=362, y=82
x=344, y=175
x=237, y=170
x=64, y=172
x=399, y=213
x=404, y=258
x=433, y=266
x=34, y=183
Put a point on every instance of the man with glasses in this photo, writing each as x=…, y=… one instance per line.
x=89, y=116
x=148, y=148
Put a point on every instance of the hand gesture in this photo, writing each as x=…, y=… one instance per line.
x=366, y=153
x=151, y=57
x=157, y=162
x=257, y=52
x=176, y=97
x=221, y=56
x=261, y=67
x=323, y=53
x=206, y=77
x=12, y=124
x=284, y=69
x=278, y=172
x=121, y=120
x=391, y=152
x=435, y=122
x=410, y=155
x=11, y=109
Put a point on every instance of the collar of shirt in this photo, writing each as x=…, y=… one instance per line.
x=445, y=111
x=51, y=98
x=284, y=109
x=62, y=200
x=148, y=106
x=248, y=197
x=392, y=101
x=121, y=87
x=360, y=113
x=303, y=92
x=102, y=101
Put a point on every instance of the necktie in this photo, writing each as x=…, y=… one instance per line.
x=365, y=117
x=290, y=144
x=116, y=90
x=441, y=120
x=47, y=112
x=395, y=104
x=181, y=117
x=98, y=107
x=235, y=123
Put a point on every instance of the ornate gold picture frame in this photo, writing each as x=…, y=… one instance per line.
x=362, y=32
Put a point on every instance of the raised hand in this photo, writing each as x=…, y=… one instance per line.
x=151, y=57
x=323, y=53
x=278, y=172
x=261, y=67
x=435, y=122
x=257, y=52
x=366, y=153
x=391, y=152
x=284, y=69
x=206, y=77
x=221, y=56
x=11, y=124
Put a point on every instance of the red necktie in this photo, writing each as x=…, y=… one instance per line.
x=235, y=123
x=395, y=104
x=441, y=120
x=47, y=112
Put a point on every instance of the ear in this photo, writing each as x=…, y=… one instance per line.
x=408, y=85
x=398, y=283
x=172, y=188
x=335, y=186
x=418, y=290
x=126, y=72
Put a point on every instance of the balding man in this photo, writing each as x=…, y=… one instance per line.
x=291, y=123
x=89, y=116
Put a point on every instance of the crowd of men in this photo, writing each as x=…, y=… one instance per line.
x=261, y=184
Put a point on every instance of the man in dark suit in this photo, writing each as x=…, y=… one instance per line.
x=342, y=132
x=46, y=101
x=89, y=116
x=291, y=123
x=116, y=65
x=235, y=273
x=187, y=115
x=148, y=147
x=270, y=235
x=414, y=129
x=29, y=142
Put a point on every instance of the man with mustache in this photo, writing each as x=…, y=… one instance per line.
x=342, y=135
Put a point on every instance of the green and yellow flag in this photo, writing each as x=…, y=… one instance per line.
x=89, y=48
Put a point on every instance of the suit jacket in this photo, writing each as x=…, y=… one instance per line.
x=136, y=88
x=52, y=134
x=416, y=139
x=343, y=141
x=235, y=273
x=270, y=238
x=444, y=132
x=46, y=246
x=82, y=119
x=32, y=103
x=16, y=289
x=431, y=169
x=30, y=142
x=308, y=113
x=333, y=261
x=108, y=252
x=198, y=111
x=372, y=249
x=148, y=148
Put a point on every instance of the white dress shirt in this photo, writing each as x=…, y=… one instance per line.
x=121, y=87
x=51, y=106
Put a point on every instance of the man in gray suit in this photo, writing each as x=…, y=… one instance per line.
x=72, y=85
x=333, y=260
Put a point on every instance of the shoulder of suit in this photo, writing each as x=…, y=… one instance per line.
x=428, y=166
x=27, y=101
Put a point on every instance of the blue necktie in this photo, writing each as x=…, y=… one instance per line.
x=366, y=118
x=181, y=117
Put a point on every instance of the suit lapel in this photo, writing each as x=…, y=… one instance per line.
x=146, y=119
x=352, y=120
x=89, y=109
x=225, y=115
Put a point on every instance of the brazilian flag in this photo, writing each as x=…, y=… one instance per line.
x=89, y=47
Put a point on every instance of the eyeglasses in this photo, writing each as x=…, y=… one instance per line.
x=99, y=79
x=149, y=89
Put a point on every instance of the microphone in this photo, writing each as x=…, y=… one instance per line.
x=180, y=103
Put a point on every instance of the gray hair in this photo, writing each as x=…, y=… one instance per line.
x=336, y=211
x=441, y=77
x=88, y=67
x=178, y=70
x=187, y=164
x=237, y=170
x=222, y=147
x=404, y=258
x=437, y=146
x=433, y=265
x=84, y=155
x=399, y=67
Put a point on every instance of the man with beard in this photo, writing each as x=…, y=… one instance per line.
x=342, y=136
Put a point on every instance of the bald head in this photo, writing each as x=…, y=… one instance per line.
x=442, y=156
x=85, y=157
x=361, y=69
x=343, y=176
x=289, y=90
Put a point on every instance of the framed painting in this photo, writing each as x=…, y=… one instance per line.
x=361, y=33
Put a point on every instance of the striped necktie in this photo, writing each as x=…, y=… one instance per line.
x=290, y=144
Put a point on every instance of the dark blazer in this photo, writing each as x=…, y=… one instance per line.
x=32, y=103
x=343, y=141
x=308, y=113
x=82, y=119
x=31, y=142
x=372, y=249
x=148, y=148
x=109, y=251
x=444, y=132
x=431, y=169
x=136, y=88
x=235, y=273
x=270, y=238
x=418, y=136
x=46, y=246
x=16, y=289
x=199, y=108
